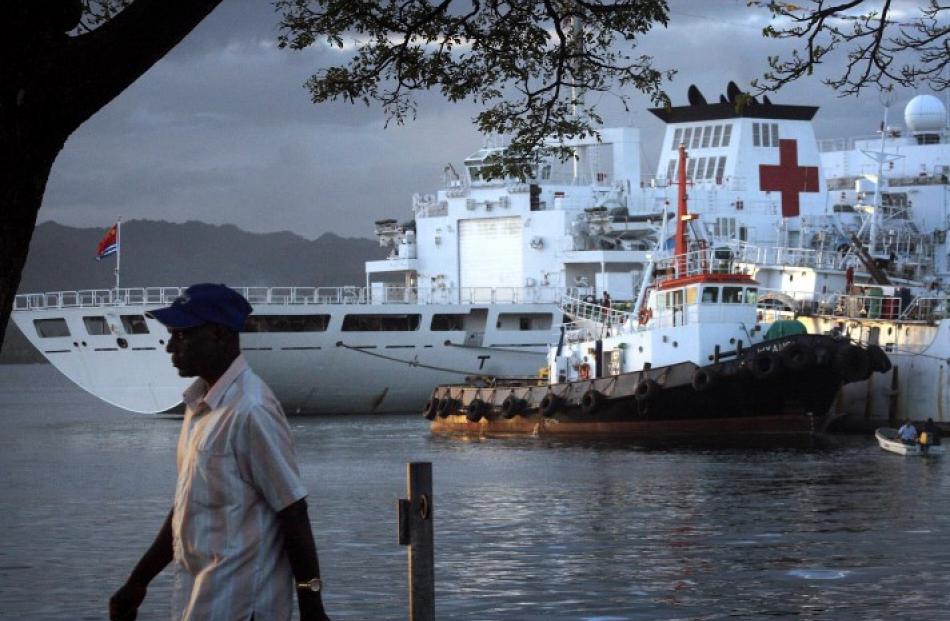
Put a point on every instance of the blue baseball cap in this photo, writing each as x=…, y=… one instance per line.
x=205, y=303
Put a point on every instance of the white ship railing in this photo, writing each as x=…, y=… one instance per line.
x=780, y=255
x=885, y=308
x=585, y=310
x=158, y=296
x=927, y=309
x=695, y=263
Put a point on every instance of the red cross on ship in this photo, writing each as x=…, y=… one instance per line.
x=788, y=177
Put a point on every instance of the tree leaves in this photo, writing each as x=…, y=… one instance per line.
x=529, y=63
x=880, y=49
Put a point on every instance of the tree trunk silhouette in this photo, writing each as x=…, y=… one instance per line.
x=51, y=83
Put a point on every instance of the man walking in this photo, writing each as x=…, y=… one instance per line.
x=238, y=534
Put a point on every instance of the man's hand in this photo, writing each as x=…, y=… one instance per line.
x=311, y=607
x=124, y=604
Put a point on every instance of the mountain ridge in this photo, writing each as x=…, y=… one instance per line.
x=158, y=253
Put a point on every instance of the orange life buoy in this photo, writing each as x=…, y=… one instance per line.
x=644, y=315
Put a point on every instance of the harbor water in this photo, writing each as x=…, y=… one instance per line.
x=526, y=528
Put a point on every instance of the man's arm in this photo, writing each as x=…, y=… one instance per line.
x=124, y=604
x=302, y=554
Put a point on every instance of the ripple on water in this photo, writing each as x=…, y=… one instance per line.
x=526, y=529
x=819, y=574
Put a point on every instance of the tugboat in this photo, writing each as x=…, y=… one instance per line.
x=691, y=358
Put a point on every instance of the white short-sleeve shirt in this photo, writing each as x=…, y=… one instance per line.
x=236, y=470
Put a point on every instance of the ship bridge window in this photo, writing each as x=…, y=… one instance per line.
x=700, y=168
x=751, y=295
x=524, y=321
x=380, y=323
x=677, y=136
x=670, y=300
x=445, y=322
x=710, y=295
x=286, y=323
x=720, y=168
x=697, y=137
x=724, y=227
x=51, y=328
x=732, y=295
x=726, y=134
x=134, y=324
x=690, y=167
x=765, y=134
x=691, y=294
x=96, y=326
x=707, y=134
x=717, y=136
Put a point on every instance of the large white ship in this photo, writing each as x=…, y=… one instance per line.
x=892, y=192
x=471, y=285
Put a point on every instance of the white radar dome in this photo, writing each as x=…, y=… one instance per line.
x=925, y=113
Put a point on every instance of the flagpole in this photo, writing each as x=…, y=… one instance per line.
x=118, y=253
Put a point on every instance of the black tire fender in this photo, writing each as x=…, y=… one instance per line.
x=797, y=357
x=475, y=410
x=550, y=404
x=766, y=365
x=824, y=356
x=591, y=401
x=879, y=360
x=446, y=405
x=512, y=406
x=646, y=390
x=704, y=379
x=431, y=408
x=852, y=363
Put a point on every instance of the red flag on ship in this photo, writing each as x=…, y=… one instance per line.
x=109, y=244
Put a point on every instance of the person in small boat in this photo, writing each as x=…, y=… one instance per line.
x=908, y=432
x=933, y=433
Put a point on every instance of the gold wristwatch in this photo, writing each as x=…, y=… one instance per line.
x=315, y=585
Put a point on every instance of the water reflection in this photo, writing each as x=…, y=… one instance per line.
x=526, y=528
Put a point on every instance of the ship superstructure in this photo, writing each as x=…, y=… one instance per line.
x=472, y=281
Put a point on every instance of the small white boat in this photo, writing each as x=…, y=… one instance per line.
x=888, y=440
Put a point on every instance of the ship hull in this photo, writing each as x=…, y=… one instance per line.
x=331, y=371
x=740, y=395
x=918, y=385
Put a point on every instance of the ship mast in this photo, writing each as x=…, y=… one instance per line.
x=682, y=217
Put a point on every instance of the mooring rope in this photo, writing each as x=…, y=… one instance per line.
x=411, y=363
x=487, y=348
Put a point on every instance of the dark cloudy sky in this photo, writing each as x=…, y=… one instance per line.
x=223, y=131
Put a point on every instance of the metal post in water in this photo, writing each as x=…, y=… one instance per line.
x=415, y=529
x=599, y=357
x=893, y=410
